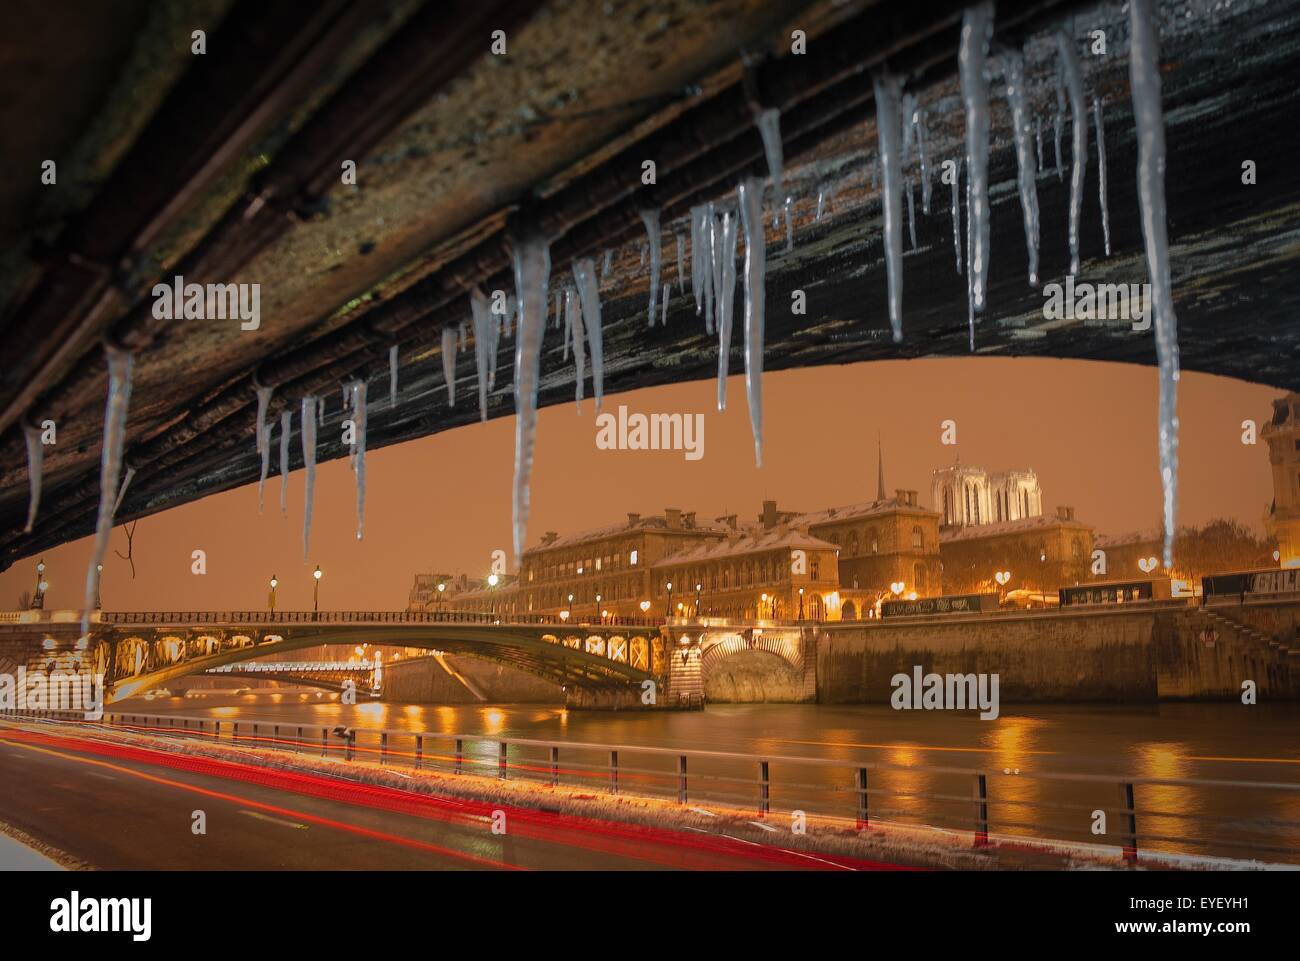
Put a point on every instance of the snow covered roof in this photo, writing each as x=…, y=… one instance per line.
x=749, y=542
x=656, y=522
x=853, y=511
x=1129, y=538
x=975, y=531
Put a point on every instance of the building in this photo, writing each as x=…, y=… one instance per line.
x=766, y=573
x=1039, y=553
x=970, y=495
x=1282, y=519
x=606, y=569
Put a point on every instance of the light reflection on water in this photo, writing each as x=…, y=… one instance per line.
x=1171, y=741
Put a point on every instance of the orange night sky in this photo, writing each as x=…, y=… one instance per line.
x=443, y=503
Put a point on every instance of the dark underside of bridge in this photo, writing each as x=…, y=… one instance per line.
x=226, y=167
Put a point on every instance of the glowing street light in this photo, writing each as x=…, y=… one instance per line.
x=315, y=601
x=801, y=603
x=38, y=598
x=275, y=582
x=668, y=610
x=99, y=579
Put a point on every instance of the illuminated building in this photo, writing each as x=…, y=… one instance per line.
x=1282, y=519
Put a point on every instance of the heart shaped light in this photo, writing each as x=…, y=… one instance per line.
x=1148, y=564
x=1002, y=577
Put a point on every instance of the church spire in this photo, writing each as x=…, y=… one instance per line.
x=880, y=470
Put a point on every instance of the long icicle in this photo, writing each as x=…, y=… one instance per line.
x=532, y=263
x=1101, y=172
x=925, y=166
x=888, y=133
x=1058, y=121
x=35, y=470
x=651, y=220
x=1014, y=68
x=579, y=352
x=769, y=128
x=709, y=266
x=911, y=214
x=263, y=401
x=286, y=422
x=724, y=263
x=120, y=364
x=359, y=463
x=750, y=199
x=697, y=249
x=485, y=346
x=121, y=490
x=681, y=263
x=1144, y=78
x=1079, y=129
x=956, y=212
x=976, y=34
x=584, y=275
x=449, y=338
x=267, y=431
x=308, y=433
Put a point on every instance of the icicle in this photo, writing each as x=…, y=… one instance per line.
x=507, y=320
x=789, y=226
x=663, y=310
x=392, y=377
x=532, y=262
x=1014, y=63
x=769, y=128
x=888, y=131
x=320, y=413
x=609, y=263
x=724, y=278
x=449, y=363
x=1079, y=126
x=1101, y=172
x=121, y=491
x=485, y=347
x=1058, y=121
x=359, y=464
x=956, y=213
x=1144, y=78
x=286, y=421
x=716, y=239
x=651, y=220
x=710, y=266
x=976, y=33
x=697, y=259
x=1038, y=134
x=574, y=309
x=681, y=263
x=907, y=108
x=309, y=469
x=821, y=203
x=584, y=273
x=267, y=431
x=559, y=309
x=35, y=469
x=120, y=363
x=263, y=400
x=750, y=199
x=911, y=214
x=568, y=323
x=970, y=274
x=925, y=166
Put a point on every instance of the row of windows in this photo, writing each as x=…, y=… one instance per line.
x=584, y=565
x=770, y=569
x=869, y=541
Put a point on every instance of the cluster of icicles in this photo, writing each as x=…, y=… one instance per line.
x=714, y=229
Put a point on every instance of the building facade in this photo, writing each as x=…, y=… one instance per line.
x=965, y=495
x=1282, y=518
x=1040, y=554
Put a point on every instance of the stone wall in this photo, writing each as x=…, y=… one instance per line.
x=423, y=681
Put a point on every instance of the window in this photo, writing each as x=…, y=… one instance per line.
x=918, y=540
x=631, y=558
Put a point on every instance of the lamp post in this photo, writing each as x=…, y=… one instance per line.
x=493, y=580
x=275, y=582
x=315, y=601
x=762, y=606
x=698, y=588
x=602, y=613
x=38, y=596
x=442, y=587
x=801, y=603
x=99, y=579
x=668, y=611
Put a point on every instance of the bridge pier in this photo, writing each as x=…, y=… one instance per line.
x=685, y=677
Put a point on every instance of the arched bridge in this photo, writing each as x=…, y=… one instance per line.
x=366, y=675
x=136, y=651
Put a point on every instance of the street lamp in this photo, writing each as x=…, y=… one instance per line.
x=493, y=580
x=602, y=613
x=38, y=598
x=698, y=588
x=315, y=601
x=442, y=587
x=668, y=611
x=801, y=603
x=275, y=582
x=99, y=578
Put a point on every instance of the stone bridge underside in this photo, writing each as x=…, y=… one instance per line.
x=226, y=168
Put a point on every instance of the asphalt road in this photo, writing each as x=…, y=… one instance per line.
x=125, y=813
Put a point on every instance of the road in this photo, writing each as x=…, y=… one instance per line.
x=125, y=808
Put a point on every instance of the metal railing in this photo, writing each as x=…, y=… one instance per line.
x=1113, y=815
x=365, y=617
